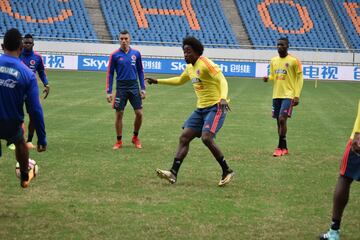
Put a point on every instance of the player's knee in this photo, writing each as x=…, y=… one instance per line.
x=206, y=139
x=282, y=120
x=183, y=140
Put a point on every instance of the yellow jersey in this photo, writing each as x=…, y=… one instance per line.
x=207, y=79
x=357, y=124
x=287, y=76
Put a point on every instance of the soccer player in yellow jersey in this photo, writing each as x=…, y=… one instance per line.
x=211, y=89
x=286, y=73
x=349, y=171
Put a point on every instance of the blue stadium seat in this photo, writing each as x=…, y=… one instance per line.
x=45, y=18
x=352, y=34
x=214, y=28
x=322, y=34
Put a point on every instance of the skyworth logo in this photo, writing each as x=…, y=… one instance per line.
x=93, y=63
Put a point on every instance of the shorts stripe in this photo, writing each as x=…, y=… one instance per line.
x=216, y=119
x=345, y=158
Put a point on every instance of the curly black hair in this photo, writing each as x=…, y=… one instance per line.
x=194, y=43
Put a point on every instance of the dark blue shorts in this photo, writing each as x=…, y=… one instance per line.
x=11, y=131
x=282, y=107
x=208, y=119
x=350, y=164
x=127, y=91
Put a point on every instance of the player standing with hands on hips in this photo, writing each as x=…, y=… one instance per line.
x=211, y=89
x=127, y=63
x=18, y=84
x=286, y=73
x=34, y=61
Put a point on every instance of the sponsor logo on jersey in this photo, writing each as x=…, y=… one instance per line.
x=280, y=71
x=196, y=80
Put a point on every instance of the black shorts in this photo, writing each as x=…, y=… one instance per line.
x=350, y=164
x=11, y=131
x=127, y=90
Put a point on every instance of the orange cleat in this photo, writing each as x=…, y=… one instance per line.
x=117, y=145
x=136, y=142
x=278, y=152
x=285, y=151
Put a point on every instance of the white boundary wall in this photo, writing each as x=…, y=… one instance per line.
x=75, y=48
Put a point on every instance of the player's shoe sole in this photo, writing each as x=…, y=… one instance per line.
x=164, y=174
x=226, y=179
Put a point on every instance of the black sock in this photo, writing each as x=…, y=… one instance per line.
x=30, y=137
x=119, y=138
x=335, y=225
x=136, y=133
x=176, y=166
x=223, y=164
x=282, y=142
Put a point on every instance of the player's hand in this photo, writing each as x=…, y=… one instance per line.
x=296, y=101
x=41, y=148
x=265, y=79
x=46, y=91
x=109, y=98
x=356, y=144
x=143, y=94
x=224, y=105
x=151, y=80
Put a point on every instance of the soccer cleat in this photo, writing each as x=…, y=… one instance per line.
x=226, y=177
x=331, y=235
x=136, y=142
x=285, y=151
x=168, y=175
x=25, y=184
x=278, y=152
x=117, y=145
x=30, y=145
x=12, y=147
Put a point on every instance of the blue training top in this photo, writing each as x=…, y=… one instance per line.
x=18, y=84
x=128, y=66
x=34, y=61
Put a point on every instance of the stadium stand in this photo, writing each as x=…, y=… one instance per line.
x=306, y=23
x=169, y=21
x=349, y=16
x=65, y=20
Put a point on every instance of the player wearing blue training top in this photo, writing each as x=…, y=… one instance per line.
x=34, y=61
x=18, y=84
x=128, y=66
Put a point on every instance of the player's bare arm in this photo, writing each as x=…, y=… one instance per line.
x=109, y=97
x=224, y=105
x=151, y=80
x=296, y=101
x=46, y=91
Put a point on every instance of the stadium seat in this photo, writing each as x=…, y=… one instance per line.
x=170, y=28
x=54, y=19
x=306, y=23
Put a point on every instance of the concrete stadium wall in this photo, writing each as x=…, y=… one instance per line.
x=311, y=57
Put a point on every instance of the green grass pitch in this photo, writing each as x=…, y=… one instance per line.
x=86, y=190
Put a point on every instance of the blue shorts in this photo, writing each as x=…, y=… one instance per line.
x=208, y=119
x=350, y=164
x=11, y=131
x=282, y=107
x=128, y=90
